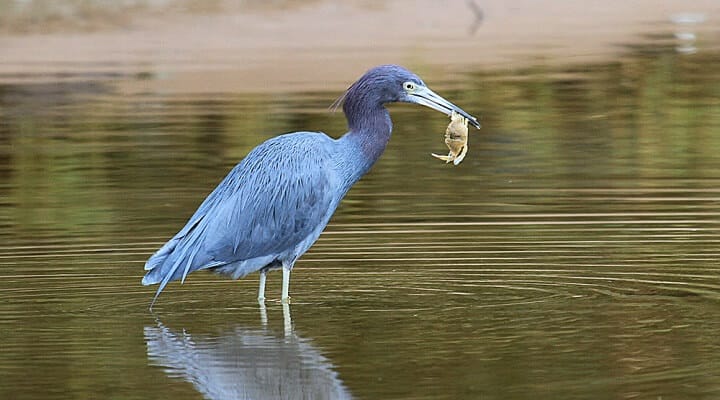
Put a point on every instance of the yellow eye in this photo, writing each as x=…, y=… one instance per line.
x=409, y=86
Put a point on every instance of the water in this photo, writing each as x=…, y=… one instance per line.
x=573, y=254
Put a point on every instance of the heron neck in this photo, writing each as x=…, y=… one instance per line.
x=370, y=134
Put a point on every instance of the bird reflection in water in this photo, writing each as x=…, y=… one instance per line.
x=246, y=363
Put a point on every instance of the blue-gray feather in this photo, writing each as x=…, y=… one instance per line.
x=275, y=203
x=268, y=211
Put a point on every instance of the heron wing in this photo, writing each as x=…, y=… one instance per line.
x=271, y=207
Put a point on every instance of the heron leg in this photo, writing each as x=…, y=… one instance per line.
x=263, y=314
x=261, y=289
x=287, y=319
x=286, y=284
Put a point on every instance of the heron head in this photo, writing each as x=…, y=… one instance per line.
x=393, y=83
x=413, y=90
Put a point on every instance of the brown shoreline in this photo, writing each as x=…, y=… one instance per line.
x=323, y=45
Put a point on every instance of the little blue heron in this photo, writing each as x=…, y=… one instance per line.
x=274, y=204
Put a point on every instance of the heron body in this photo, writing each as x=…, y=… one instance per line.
x=274, y=204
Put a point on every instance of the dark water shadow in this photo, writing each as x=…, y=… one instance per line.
x=246, y=363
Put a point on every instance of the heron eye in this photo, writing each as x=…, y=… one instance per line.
x=409, y=86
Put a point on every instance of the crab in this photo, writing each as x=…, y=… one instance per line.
x=456, y=138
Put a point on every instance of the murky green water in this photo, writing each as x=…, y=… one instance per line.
x=573, y=254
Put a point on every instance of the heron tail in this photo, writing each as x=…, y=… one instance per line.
x=164, y=265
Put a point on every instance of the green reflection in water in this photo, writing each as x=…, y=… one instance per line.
x=573, y=254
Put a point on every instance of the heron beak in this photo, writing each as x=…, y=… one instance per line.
x=428, y=98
